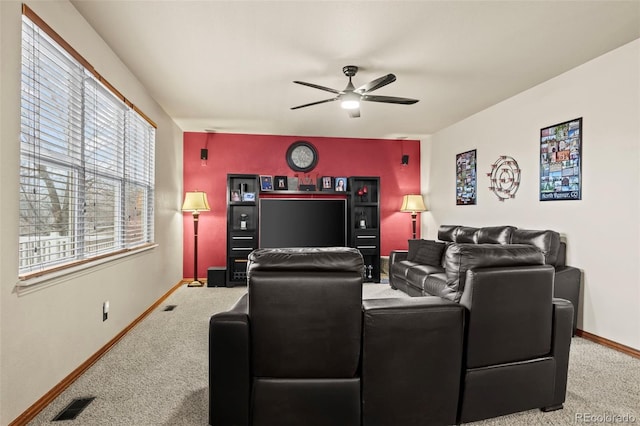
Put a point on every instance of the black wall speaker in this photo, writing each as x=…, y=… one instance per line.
x=405, y=160
x=204, y=154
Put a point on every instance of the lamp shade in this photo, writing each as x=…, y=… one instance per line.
x=195, y=201
x=413, y=203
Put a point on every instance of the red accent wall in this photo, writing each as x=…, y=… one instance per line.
x=265, y=154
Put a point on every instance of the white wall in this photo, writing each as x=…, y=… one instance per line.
x=602, y=230
x=46, y=333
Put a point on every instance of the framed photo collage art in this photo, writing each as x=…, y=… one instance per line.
x=560, y=163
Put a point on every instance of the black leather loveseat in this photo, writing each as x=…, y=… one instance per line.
x=428, y=268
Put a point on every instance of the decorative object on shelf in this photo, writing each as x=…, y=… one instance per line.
x=561, y=161
x=248, y=196
x=307, y=184
x=362, y=221
x=235, y=195
x=362, y=193
x=195, y=202
x=292, y=183
x=327, y=183
x=280, y=183
x=302, y=156
x=341, y=184
x=243, y=221
x=266, y=183
x=466, y=178
x=413, y=203
x=505, y=177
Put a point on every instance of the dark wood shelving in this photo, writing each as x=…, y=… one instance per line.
x=240, y=242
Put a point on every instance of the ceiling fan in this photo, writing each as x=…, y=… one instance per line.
x=350, y=97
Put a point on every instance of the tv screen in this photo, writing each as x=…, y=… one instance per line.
x=302, y=222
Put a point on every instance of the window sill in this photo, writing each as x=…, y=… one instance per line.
x=55, y=277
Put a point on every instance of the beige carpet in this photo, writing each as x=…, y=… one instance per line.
x=157, y=374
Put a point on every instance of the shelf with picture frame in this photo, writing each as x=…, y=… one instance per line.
x=295, y=185
x=363, y=209
x=243, y=191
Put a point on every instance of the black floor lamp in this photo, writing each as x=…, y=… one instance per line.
x=195, y=202
x=413, y=203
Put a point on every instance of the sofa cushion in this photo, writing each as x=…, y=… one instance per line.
x=400, y=269
x=430, y=253
x=548, y=242
x=418, y=273
x=435, y=285
x=466, y=234
x=461, y=257
x=495, y=235
x=426, y=252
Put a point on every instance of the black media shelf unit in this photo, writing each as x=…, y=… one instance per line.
x=363, y=221
x=242, y=225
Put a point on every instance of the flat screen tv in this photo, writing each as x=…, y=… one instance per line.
x=297, y=222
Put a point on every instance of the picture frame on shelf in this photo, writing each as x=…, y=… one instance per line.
x=235, y=196
x=248, y=196
x=327, y=183
x=340, y=184
x=266, y=183
x=466, y=178
x=292, y=183
x=280, y=183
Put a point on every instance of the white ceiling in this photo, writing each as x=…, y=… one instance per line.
x=230, y=65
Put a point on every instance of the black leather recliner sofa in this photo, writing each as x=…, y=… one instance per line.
x=429, y=276
x=517, y=336
x=302, y=348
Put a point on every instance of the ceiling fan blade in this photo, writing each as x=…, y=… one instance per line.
x=376, y=84
x=388, y=99
x=354, y=113
x=315, y=86
x=315, y=103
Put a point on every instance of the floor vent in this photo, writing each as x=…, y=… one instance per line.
x=72, y=410
x=169, y=308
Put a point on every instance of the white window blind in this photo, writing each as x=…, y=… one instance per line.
x=87, y=162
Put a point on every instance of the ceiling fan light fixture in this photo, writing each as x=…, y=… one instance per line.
x=350, y=104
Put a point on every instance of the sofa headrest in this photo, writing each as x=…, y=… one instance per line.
x=495, y=234
x=305, y=306
x=466, y=234
x=447, y=232
x=548, y=242
x=461, y=257
x=342, y=259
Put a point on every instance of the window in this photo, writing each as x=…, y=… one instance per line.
x=86, y=160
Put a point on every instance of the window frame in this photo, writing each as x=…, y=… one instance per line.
x=132, y=170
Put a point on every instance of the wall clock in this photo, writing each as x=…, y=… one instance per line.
x=302, y=156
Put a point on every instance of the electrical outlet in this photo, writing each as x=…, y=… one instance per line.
x=105, y=310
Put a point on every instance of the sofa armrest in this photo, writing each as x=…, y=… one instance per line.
x=561, y=343
x=412, y=348
x=396, y=256
x=567, y=286
x=229, y=366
